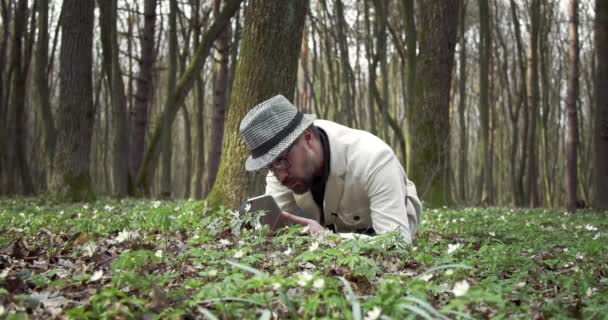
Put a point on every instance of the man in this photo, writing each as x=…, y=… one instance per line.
x=343, y=179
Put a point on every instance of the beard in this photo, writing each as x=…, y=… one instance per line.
x=299, y=185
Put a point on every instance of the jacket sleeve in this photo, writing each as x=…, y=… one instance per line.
x=394, y=203
x=281, y=194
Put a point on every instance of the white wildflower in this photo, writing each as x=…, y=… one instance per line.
x=493, y=234
x=89, y=248
x=126, y=235
x=373, y=314
x=304, y=278
x=159, y=253
x=4, y=273
x=85, y=206
x=314, y=246
x=462, y=220
x=453, y=247
x=449, y=272
x=287, y=252
x=521, y=284
x=276, y=285
x=590, y=291
x=580, y=256
x=156, y=204
x=1, y=309
x=96, y=276
x=318, y=284
x=239, y=254
x=460, y=288
x=597, y=236
x=212, y=273
x=503, y=218
x=565, y=249
x=108, y=208
x=225, y=242
x=589, y=227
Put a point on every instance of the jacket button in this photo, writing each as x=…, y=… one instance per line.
x=356, y=218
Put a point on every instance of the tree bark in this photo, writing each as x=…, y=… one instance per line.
x=42, y=83
x=462, y=153
x=601, y=103
x=571, y=99
x=120, y=148
x=533, y=103
x=267, y=66
x=484, y=103
x=430, y=145
x=75, y=116
x=167, y=123
x=222, y=57
x=139, y=115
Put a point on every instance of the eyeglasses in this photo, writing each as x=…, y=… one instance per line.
x=282, y=162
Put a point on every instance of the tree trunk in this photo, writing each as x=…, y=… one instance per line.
x=462, y=153
x=484, y=103
x=519, y=193
x=120, y=152
x=17, y=115
x=430, y=145
x=139, y=115
x=533, y=103
x=267, y=66
x=42, y=83
x=4, y=172
x=188, y=143
x=184, y=85
x=75, y=115
x=167, y=123
x=222, y=57
x=571, y=99
x=601, y=103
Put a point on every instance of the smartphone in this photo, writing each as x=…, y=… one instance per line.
x=266, y=203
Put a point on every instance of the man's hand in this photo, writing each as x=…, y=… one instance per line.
x=313, y=226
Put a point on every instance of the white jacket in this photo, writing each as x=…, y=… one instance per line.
x=366, y=186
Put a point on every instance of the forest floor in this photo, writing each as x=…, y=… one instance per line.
x=151, y=259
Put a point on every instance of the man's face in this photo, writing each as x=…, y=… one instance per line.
x=300, y=168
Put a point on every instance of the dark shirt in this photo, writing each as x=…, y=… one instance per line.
x=318, y=182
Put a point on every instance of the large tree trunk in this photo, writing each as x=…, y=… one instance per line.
x=167, y=123
x=572, y=138
x=601, y=103
x=533, y=103
x=199, y=98
x=42, y=84
x=430, y=131
x=184, y=85
x=120, y=151
x=222, y=56
x=267, y=66
x=139, y=115
x=75, y=116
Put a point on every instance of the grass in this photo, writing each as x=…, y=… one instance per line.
x=181, y=259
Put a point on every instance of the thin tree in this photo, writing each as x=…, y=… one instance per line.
x=268, y=63
x=75, y=115
x=484, y=104
x=533, y=103
x=120, y=154
x=462, y=153
x=571, y=99
x=145, y=85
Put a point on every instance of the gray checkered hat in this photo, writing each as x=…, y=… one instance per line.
x=270, y=128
